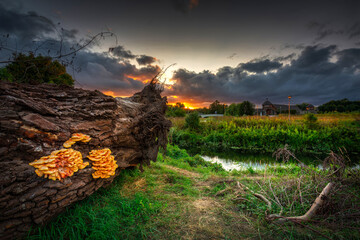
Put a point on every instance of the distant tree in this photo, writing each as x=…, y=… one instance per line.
x=35, y=70
x=343, y=105
x=203, y=110
x=217, y=107
x=232, y=110
x=247, y=108
x=178, y=110
x=240, y=109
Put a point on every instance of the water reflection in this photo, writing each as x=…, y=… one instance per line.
x=257, y=163
x=229, y=165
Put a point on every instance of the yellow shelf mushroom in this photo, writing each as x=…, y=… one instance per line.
x=76, y=137
x=59, y=164
x=103, y=162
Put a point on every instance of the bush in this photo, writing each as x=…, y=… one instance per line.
x=35, y=70
x=5, y=75
x=192, y=121
x=310, y=120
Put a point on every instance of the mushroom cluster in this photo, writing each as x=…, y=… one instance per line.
x=59, y=164
x=103, y=162
x=76, y=137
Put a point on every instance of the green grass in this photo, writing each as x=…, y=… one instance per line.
x=177, y=198
x=268, y=134
x=107, y=214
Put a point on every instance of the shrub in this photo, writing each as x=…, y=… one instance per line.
x=35, y=70
x=192, y=121
x=310, y=120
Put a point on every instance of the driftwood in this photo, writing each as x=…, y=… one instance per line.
x=318, y=203
x=36, y=120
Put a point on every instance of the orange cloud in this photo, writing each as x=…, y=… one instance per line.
x=142, y=78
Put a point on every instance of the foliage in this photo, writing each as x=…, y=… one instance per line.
x=174, y=195
x=217, y=108
x=106, y=214
x=268, y=134
x=240, y=109
x=35, y=70
x=310, y=118
x=192, y=121
x=343, y=105
x=176, y=111
x=5, y=75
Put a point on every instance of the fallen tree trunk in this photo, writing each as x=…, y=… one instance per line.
x=37, y=120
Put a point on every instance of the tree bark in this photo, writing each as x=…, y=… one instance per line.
x=37, y=119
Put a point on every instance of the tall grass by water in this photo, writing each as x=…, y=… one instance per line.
x=266, y=134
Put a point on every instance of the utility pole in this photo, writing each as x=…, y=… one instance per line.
x=289, y=97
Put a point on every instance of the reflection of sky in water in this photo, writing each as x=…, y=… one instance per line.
x=228, y=164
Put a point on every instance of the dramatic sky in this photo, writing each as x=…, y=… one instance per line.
x=226, y=50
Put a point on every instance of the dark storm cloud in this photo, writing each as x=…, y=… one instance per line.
x=121, y=52
x=324, y=30
x=185, y=6
x=354, y=30
x=259, y=66
x=144, y=60
x=349, y=59
x=99, y=71
x=24, y=25
x=284, y=58
x=312, y=77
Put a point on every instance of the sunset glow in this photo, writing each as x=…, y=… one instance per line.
x=112, y=94
x=143, y=79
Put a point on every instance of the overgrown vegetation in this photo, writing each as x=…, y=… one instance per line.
x=240, y=109
x=304, y=134
x=178, y=110
x=28, y=68
x=343, y=105
x=185, y=197
x=192, y=121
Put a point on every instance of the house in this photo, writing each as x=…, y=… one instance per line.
x=273, y=109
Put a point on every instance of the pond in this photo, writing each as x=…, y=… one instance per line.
x=244, y=161
x=257, y=162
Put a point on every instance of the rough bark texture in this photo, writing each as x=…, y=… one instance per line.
x=36, y=120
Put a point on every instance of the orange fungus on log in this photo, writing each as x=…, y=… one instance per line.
x=76, y=137
x=103, y=162
x=59, y=164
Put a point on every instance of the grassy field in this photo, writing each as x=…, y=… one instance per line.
x=184, y=197
x=266, y=134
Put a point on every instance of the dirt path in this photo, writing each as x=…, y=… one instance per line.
x=210, y=217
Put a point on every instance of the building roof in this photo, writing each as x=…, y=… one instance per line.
x=267, y=102
x=285, y=107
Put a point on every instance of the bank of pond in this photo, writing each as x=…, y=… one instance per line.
x=266, y=135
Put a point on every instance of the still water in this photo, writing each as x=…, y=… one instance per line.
x=241, y=161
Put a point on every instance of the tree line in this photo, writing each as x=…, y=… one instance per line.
x=234, y=109
x=343, y=105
